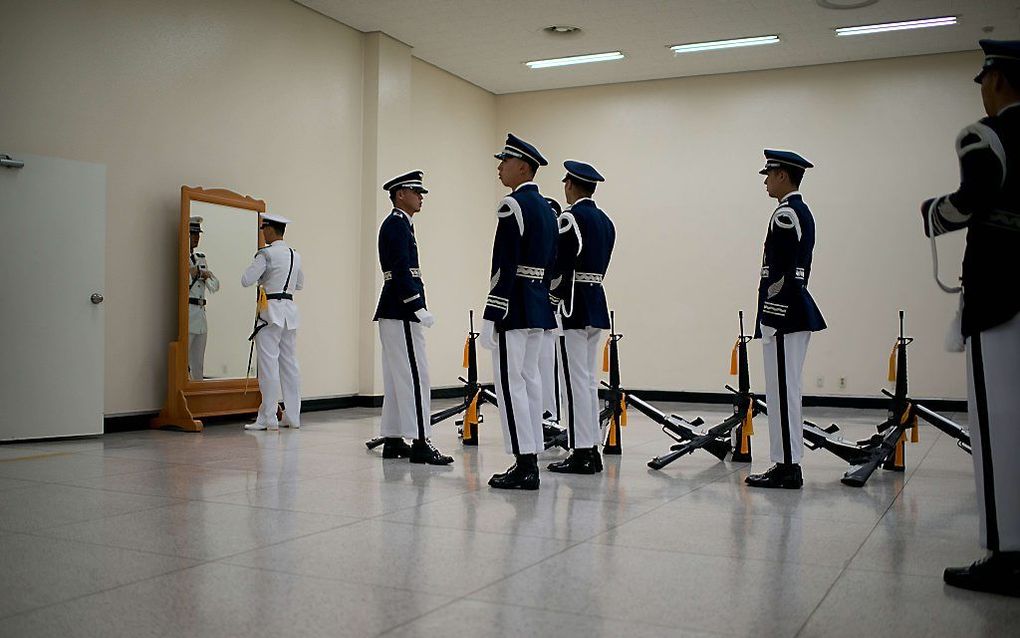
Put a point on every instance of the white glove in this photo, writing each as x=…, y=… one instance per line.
x=488, y=335
x=559, y=325
x=426, y=318
x=767, y=332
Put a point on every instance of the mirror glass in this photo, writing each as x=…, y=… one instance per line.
x=220, y=311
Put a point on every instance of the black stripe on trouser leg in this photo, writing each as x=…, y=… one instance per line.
x=504, y=376
x=784, y=407
x=988, y=477
x=556, y=381
x=570, y=391
x=414, y=378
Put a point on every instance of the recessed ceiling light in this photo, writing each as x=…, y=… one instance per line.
x=561, y=29
x=724, y=44
x=576, y=59
x=845, y=4
x=897, y=26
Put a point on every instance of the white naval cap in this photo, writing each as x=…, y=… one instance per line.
x=277, y=219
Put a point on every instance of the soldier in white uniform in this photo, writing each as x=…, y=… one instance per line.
x=277, y=269
x=201, y=282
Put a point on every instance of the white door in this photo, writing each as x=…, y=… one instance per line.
x=53, y=256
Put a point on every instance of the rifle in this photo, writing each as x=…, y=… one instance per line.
x=817, y=437
x=884, y=446
x=471, y=393
x=716, y=439
x=615, y=411
x=948, y=426
x=888, y=443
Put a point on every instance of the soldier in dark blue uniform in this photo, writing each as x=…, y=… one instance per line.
x=517, y=311
x=987, y=204
x=787, y=315
x=587, y=236
x=402, y=317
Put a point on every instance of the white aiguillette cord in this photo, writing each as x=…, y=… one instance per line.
x=952, y=290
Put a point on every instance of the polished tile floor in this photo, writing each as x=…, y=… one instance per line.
x=306, y=533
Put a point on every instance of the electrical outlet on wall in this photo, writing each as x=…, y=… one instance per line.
x=820, y=382
x=842, y=383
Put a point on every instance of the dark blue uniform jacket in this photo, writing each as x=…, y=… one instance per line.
x=522, y=254
x=403, y=291
x=784, y=302
x=587, y=236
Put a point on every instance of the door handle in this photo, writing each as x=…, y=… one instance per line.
x=96, y=298
x=8, y=162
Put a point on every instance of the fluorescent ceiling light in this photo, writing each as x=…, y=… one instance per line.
x=897, y=26
x=577, y=59
x=724, y=44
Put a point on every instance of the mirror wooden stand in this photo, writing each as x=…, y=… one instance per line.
x=186, y=399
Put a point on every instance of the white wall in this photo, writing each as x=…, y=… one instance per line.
x=263, y=97
x=681, y=158
x=268, y=98
x=454, y=124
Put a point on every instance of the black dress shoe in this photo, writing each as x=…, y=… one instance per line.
x=780, y=475
x=579, y=462
x=996, y=574
x=502, y=474
x=550, y=431
x=422, y=451
x=523, y=475
x=596, y=458
x=395, y=448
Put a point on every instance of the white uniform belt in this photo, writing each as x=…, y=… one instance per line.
x=530, y=272
x=387, y=275
x=588, y=277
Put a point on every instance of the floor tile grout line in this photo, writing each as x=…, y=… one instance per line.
x=845, y=568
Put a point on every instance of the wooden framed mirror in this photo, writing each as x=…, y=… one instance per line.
x=207, y=366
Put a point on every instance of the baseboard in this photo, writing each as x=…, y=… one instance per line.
x=140, y=421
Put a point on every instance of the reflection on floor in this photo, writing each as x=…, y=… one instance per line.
x=305, y=533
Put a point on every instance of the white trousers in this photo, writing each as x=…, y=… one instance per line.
x=196, y=355
x=406, y=388
x=548, y=369
x=579, y=351
x=519, y=389
x=278, y=369
x=784, y=364
x=993, y=402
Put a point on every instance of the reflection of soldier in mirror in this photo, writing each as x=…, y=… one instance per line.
x=201, y=280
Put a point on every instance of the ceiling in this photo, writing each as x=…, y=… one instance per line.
x=486, y=41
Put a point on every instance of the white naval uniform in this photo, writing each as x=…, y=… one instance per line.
x=277, y=341
x=993, y=403
x=784, y=366
x=579, y=349
x=198, y=327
